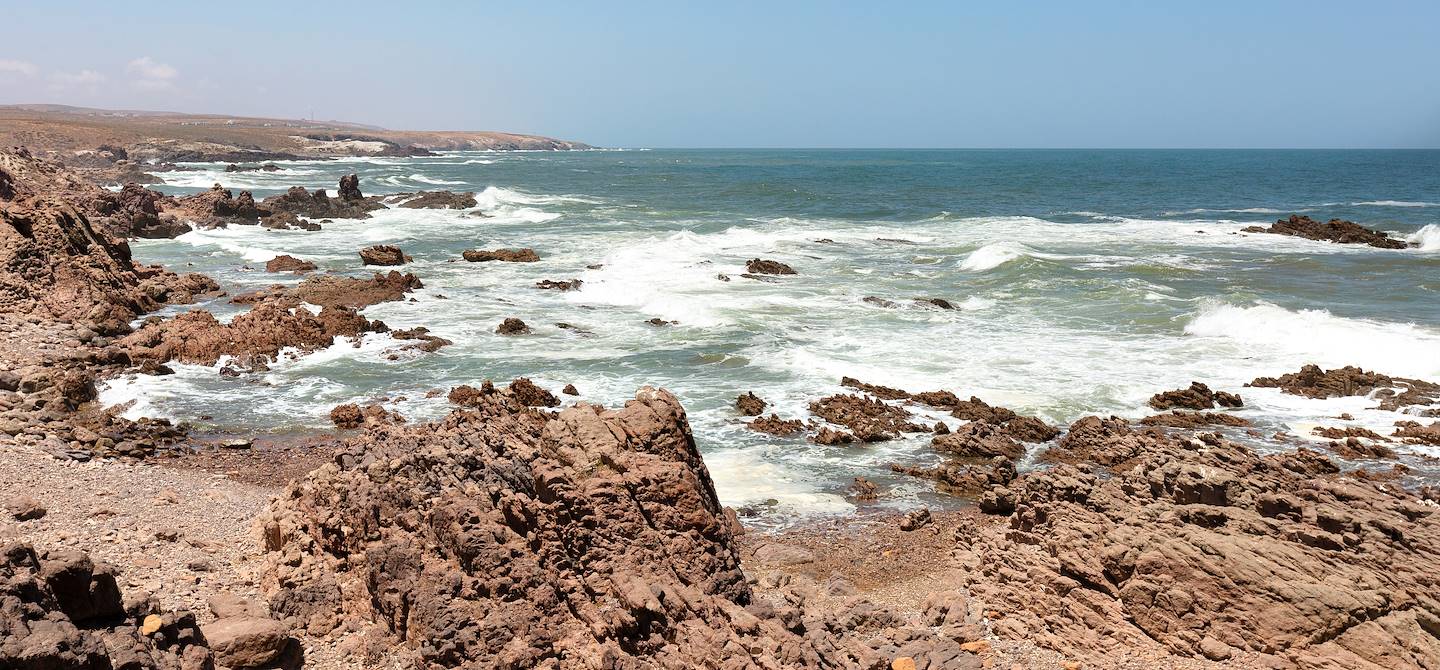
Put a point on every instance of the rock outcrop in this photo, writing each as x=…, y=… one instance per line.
x=218, y=208
x=749, y=404
x=351, y=204
x=54, y=263
x=509, y=537
x=1394, y=393
x=1336, y=230
x=869, y=419
x=383, y=254
x=60, y=610
x=337, y=291
x=433, y=200
x=1199, y=547
x=256, y=336
x=507, y=255
x=288, y=263
x=1198, y=396
x=762, y=266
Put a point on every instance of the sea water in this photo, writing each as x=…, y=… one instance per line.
x=1082, y=281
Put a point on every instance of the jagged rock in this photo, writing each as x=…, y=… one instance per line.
x=508, y=255
x=350, y=188
x=1201, y=539
x=512, y=326
x=775, y=425
x=570, y=390
x=426, y=342
x=582, y=534
x=319, y=205
x=259, y=334
x=830, y=436
x=217, y=208
x=1336, y=230
x=965, y=479
x=59, y=610
x=870, y=420
x=351, y=415
x=335, y=291
x=287, y=263
x=749, y=404
x=766, y=267
x=1313, y=382
x=881, y=392
x=383, y=254
x=979, y=439
x=554, y=285
x=1192, y=420
x=1415, y=433
x=1198, y=396
x=434, y=200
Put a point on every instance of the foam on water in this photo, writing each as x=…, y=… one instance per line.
x=1394, y=203
x=992, y=256
x=1427, y=238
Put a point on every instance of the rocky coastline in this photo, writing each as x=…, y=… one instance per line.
x=527, y=531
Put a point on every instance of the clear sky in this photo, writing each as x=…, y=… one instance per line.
x=752, y=74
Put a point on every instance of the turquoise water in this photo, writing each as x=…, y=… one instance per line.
x=1084, y=282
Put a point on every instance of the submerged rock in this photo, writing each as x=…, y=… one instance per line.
x=512, y=326
x=383, y=254
x=761, y=266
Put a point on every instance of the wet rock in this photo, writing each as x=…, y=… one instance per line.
x=774, y=425
x=869, y=419
x=435, y=200
x=1334, y=433
x=506, y=255
x=555, y=285
x=426, y=342
x=936, y=302
x=512, y=326
x=1336, y=230
x=259, y=334
x=880, y=302
x=962, y=479
x=767, y=267
x=383, y=254
x=979, y=439
x=749, y=404
x=1016, y=426
x=1416, y=433
x=661, y=323
x=1198, y=396
x=287, y=263
x=1313, y=382
x=864, y=490
x=570, y=390
x=288, y=221
x=336, y=291
x=830, y=436
x=350, y=416
x=1192, y=420
x=881, y=392
x=350, y=188
x=530, y=395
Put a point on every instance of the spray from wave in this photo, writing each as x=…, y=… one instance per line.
x=1427, y=238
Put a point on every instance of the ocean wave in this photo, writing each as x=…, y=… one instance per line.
x=992, y=256
x=1240, y=210
x=1318, y=336
x=1427, y=238
x=1394, y=203
x=205, y=238
x=424, y=179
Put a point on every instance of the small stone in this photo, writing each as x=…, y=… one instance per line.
x=903, y=663
x=976, y=647
x=25, y=508
x=238, y=443
x=151, y=624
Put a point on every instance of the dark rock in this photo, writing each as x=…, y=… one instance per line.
x=1336, y=230
x=766, y=267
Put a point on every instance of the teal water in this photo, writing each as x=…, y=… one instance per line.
x=1084, y=282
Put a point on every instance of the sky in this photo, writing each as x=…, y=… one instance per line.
x=763, y=74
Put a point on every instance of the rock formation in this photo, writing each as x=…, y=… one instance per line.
x=383, y=254
x=509, y=537
x=1197, y=396
x=508, y=255
x=255, y=336
x=1336, y=230
x=762, y=266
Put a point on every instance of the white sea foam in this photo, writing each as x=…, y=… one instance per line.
x=433, y=181
x=1394, y=203
x=1318, y=336
x=992, y=256
x=1427, y=238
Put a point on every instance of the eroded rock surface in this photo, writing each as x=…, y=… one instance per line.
x=509, y=537
x=1395, y=393
x=1336, y=230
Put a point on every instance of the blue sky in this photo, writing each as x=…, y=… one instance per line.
x=790, y=74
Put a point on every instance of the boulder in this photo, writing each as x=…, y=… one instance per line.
x=1198, y=396
x=383, y=254
x=507, y=255
x=761, y=266
x=749, y=404
x=512, y=326
x=287, y=263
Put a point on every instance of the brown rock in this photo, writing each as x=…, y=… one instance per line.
x=257, y=335
x=336, y=291
x=512, y=326
x=530, y=395
x=287, y=263
x=24, y=508
x=870, y=420
x=507, y=255
x=881, y=392
x=1313, y=382
x=246, y=642
x=774, y=425
x=1198, y=396
x=570, y=390
x=1337, y=230
x=750, y=404
x=383, y=254
x=766, y=267
x=979, y=439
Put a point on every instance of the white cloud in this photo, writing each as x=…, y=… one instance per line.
x=83, y=78
x=150, y=69
x=20, y=67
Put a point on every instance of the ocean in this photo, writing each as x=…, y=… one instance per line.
x=1082, y=281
